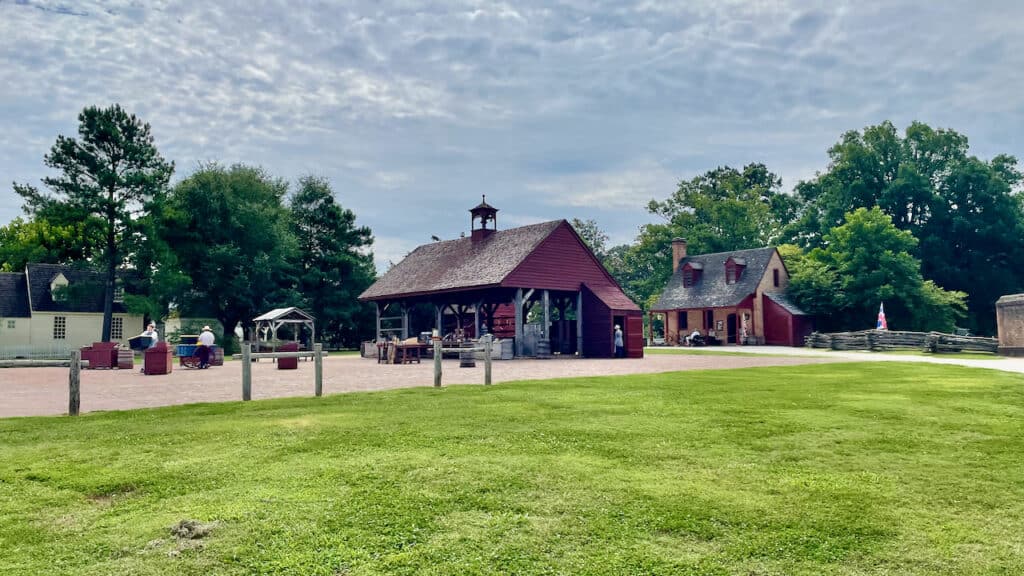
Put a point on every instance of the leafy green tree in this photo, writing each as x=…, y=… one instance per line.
x=967, y=213
x=231, y=237
x=593, y=236
x=867, y=261
x=38, y=240
x=335, y=263
x=108, y=176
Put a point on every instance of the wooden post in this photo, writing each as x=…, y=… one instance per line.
x=437, y=363
x=439, y=312
x=246, y=371
x=405, y=321
x=318, y=368
x=547, y=315
x=376, y=306
x=74, y=383
x=487, y=359
x=579, y=323
x=519, y=322
x=476, y=320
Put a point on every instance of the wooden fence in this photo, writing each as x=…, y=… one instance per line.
x=879, y=340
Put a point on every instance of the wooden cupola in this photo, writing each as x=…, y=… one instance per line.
x=485, y=213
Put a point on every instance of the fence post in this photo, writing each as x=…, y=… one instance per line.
x=437, y=363
x=246, y=371
x=487, y=359
x=74, y=383
x=318, y=365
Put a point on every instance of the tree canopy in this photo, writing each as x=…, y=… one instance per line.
x=108, y=177
x=335, y=264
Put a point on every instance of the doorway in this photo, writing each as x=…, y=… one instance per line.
x=730, y=328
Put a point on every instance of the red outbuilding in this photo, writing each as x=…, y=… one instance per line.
x=539, y=285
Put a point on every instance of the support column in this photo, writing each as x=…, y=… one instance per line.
x=579, y=322
x=377, y=306
x=519, y=322
x=405, y=321
x=547, y=315
x=439, y=323
x=476, y=320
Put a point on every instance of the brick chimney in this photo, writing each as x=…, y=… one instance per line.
x=678, y=252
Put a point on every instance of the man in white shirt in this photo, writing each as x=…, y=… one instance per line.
x=206, y=340
x=150, y=332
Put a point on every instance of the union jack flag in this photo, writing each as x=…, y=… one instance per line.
x=881, y=318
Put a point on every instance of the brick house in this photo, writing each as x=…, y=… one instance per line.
x=738, y=297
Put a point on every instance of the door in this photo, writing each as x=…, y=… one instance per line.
x=634, y=337
x=730, y=329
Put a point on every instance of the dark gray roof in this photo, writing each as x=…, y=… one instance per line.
x=784, y=301
x=14, y=295
x=711, y=291
x=86, y=289
x=460, y=264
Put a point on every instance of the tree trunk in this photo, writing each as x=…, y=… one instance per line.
x=108, y=294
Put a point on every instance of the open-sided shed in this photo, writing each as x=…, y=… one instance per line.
x=537, y=284
x=268, y=324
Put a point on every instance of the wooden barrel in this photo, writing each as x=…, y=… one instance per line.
x=543, y=348
x=467, y=358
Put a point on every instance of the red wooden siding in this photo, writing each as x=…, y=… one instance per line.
x=634, y=336
x=563, y=262
x=778, y=324
x=598, y=329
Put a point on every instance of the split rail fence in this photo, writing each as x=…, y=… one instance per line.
x=880, y=340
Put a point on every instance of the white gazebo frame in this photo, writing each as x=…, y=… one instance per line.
x=278, y=317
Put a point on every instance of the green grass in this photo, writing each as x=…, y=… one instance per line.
x=700, y=351
x=827, y=469
x=963, y=355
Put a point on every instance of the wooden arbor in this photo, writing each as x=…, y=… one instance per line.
x=272, y=321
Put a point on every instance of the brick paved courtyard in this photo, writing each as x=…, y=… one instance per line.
x=44, y=391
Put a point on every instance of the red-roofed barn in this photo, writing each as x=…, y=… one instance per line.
x=533, y=283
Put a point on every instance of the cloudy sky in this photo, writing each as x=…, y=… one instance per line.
x=554, y=109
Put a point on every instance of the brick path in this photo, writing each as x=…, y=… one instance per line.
x=44, y=391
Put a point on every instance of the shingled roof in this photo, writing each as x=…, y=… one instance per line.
x=86, y=289
x=460, y=264
x=13, y=295
x=784, y=301
x=711, y=291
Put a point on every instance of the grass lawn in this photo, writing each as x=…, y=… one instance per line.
x=699, y=351
x=866, y=468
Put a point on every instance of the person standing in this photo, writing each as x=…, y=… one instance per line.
x=620, y=349
x=206, y=340
x=149, y=332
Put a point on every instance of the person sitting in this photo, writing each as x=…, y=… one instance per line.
x=695, y=339
x=204, y=347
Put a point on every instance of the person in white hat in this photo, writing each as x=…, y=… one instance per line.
x=206, y=341
x=620, y=350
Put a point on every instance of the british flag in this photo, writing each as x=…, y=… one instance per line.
x=881, y=318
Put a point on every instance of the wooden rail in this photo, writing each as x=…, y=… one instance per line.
x=878, y=340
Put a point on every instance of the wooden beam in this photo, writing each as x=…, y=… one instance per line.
x=579, y=323
x=74, y=383
x=547, y=315
x=377, y=306
x=519, y=322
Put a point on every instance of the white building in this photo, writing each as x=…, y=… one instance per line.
x=55, y=306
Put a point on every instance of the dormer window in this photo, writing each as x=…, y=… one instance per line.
x=691, y=273
x=734, y=269
x=59, y=288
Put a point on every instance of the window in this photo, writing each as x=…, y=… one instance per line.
x=687, y=277
x=709, y=319
x=10, y=324
x=775, y=277
x=60, y=327
x=119, y=294
x=682, y=321
x=116, y=328
x=730, y=273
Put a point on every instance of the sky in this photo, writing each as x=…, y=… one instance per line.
x=558, y=109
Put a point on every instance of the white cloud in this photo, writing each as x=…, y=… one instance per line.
x=629, y=188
